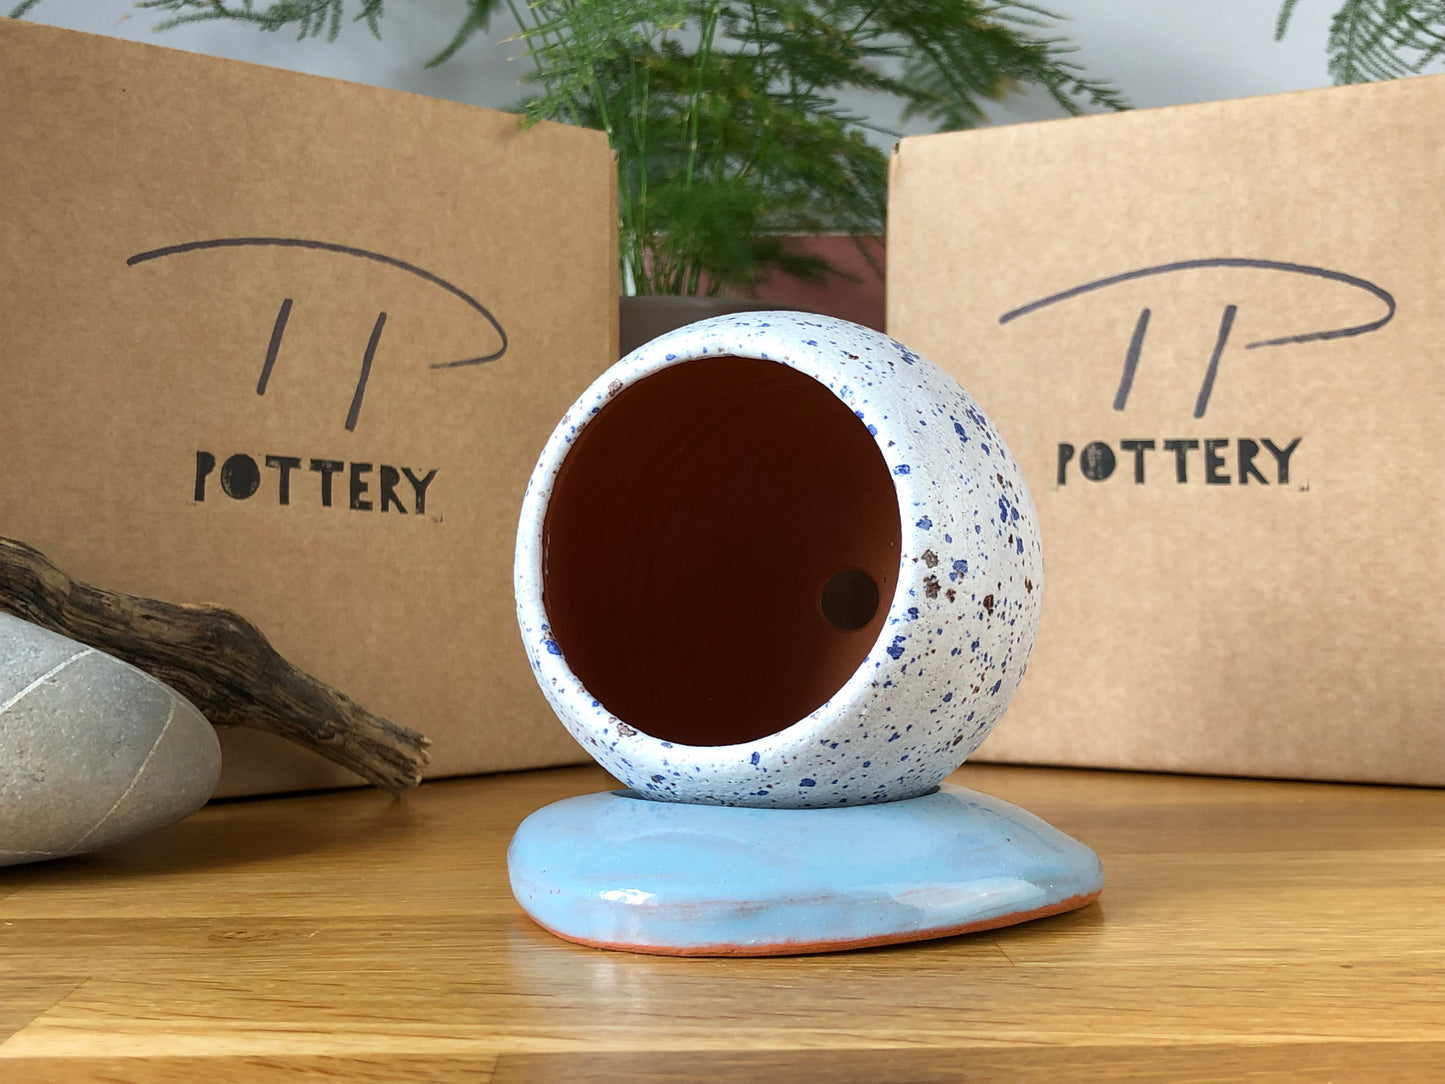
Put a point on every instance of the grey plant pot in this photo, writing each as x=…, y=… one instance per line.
x=644, y=317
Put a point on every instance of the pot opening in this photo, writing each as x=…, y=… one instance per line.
x=720, y=550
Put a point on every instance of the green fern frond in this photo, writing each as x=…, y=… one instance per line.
x=1372, y=40
x=478, y=20
x=311, y=18
x=1281, y=21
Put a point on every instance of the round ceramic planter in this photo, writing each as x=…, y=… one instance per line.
x=777, y=559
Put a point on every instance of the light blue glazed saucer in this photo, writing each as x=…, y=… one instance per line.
x=618, y=871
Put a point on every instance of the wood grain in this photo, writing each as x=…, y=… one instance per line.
x=218, y=661
x=1247, y=930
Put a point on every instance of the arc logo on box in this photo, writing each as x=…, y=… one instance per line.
x=1220, y=460
x=240, y=474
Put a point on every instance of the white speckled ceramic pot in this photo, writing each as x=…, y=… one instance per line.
x=776, y=559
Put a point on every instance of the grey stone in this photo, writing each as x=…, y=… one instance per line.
x=92, y=750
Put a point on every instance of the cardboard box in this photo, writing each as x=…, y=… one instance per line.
x=292, y=346
x=1211, y=335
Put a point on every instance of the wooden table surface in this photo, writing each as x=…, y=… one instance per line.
x=1247, y=930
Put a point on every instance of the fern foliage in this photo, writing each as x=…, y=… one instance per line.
x=310, y=18
x=1379, y=39
x=728, y=116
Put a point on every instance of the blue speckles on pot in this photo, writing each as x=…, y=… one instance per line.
x=953, y=645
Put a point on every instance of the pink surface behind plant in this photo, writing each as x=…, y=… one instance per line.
x=859, y=298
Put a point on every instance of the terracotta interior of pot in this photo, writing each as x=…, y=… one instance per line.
x=720, y=550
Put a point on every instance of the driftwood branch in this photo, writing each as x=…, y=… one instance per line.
x=218, y=661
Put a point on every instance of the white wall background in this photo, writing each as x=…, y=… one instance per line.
x=1159, y=52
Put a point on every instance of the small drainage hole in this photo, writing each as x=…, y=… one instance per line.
x=850, y=599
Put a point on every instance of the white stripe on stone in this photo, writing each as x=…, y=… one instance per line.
x=23, y=693
x=134, y=779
